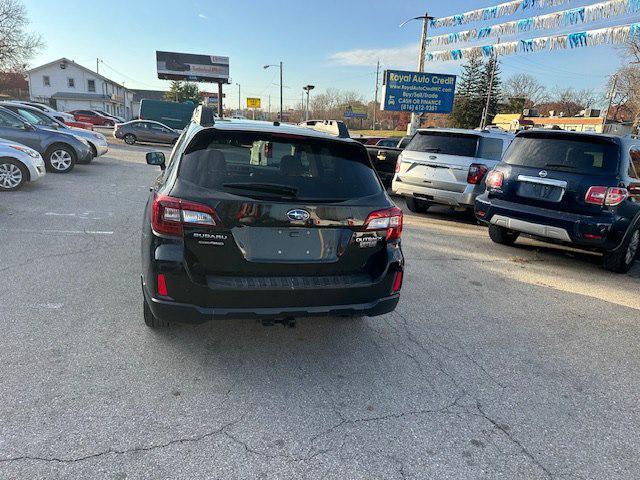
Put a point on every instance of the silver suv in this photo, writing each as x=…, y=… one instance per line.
x=447, y=166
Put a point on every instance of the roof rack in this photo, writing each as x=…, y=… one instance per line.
x=337, y=128
x=203, y=115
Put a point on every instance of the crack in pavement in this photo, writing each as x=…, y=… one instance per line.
x=514, y=440
x=112, y=451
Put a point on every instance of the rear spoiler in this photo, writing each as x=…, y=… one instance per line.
x=203, y=115
x=336, y=128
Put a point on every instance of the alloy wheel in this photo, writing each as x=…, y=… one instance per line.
x=10, y=175
x=632, y=249
x=60, y=160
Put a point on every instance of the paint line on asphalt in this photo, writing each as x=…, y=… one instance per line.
x=61, y=232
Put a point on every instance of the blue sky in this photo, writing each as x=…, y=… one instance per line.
x=331, y=44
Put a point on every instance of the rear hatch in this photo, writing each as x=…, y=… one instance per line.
x=284, y=205
x=441, y=160
x=556, y=169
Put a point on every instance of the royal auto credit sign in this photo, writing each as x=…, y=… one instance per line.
x=418, y=92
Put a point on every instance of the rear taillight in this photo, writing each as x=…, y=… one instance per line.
x=169, y=214
x=397, y=282
x=495, y=178
x=476, y=173
x=389, y=220
x=608, y=196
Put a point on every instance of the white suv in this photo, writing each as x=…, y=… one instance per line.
x=447, y=166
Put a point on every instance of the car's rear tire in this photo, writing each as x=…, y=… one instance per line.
x=417, y=206
x=130, y=139
x=621, y=260
x=13, y=175
x=150, y=319
x=59, y=158
x=502, y=235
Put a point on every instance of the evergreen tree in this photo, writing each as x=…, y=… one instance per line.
x=468, y=105
x=182, y=92
x=496, y=89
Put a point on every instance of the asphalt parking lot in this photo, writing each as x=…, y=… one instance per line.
x=500, y=362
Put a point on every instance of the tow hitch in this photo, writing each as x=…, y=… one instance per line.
x=286, y=322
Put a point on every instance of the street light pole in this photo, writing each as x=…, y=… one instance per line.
x=307, y=89
x=281, y=85
x=239, y=102
x=415, y=118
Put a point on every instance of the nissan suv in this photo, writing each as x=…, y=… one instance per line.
x=447, y=166
x=574, y=188
x=257, y=219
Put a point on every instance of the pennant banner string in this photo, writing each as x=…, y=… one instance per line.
x=489, y=13
x=588, y=38
x=589, y=13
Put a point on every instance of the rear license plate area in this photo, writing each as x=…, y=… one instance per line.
x=538, y=191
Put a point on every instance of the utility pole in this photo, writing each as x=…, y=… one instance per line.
x=485, y=112
x=612, y=92
x=415, y=118
x=239, y=101
x=281, y=84
x=98, y=66
x=269, y=110
x=375, y=102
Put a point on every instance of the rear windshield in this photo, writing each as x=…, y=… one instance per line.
x=579, y=155
x=444, y=142
x=279, y=166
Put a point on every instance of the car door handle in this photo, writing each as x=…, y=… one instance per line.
x=382, y=156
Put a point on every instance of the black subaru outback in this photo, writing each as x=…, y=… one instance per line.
x=573, y=188
x=261, y=219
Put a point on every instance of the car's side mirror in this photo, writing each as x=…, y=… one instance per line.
x=156, y=158
x=27, y=126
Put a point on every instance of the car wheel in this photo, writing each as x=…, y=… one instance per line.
x=621, y=260
x=12, y=175
x=130, y=139
x=108, y=124
x=59, y=159
x=150, y=319
x=502, y=235
x=417, y=206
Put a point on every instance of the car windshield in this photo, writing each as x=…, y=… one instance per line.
x=36, y=118
x=449, y=143
x=279, y=166
x=587, y=155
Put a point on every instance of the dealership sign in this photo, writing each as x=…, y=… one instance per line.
x=418, y=92
x=355, y=111
x=253, y=102
x=192, y=68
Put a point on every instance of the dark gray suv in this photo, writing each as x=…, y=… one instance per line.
x=59, y=151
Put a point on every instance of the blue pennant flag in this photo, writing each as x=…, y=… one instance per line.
x=526, y=45
x=634, y=31
x=456, y=54
x=578, y=39
x=524, y=25
x=529, y=4
x=487, y=50
x=489, y=13
x=484, y=32
x=573, y=16
x=458, y=19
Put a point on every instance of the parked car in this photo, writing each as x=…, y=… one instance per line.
x=388, y=142
x=367, y=140
x=62, y=116
x=60, y=151
x=117, y=118
x=96, y=140
x=94, y=118
x=145, y=131
x=385, y=159
x=447, y=166
x=76, y=124
x=574, y=188
x=18, y=164
x=267, y=220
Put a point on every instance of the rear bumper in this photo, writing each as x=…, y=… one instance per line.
x=465, y=199
x=602, y=232
x=193, y=314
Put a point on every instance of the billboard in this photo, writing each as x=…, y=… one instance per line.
x=253, y=102
x=418, y=92
x=192, y=67
x=355, y=111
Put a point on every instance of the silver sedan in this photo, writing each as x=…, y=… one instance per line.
x=145, y=131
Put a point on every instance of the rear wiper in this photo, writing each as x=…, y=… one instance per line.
x=560, y=165
x=433, y=150
x=264, y=187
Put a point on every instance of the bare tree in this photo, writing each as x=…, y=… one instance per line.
x=526, y=86
x=16, y=44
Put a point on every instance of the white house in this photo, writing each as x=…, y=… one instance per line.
x=66, y=86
